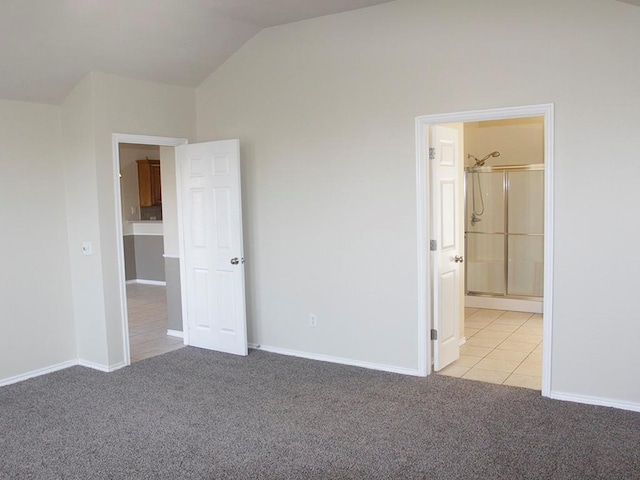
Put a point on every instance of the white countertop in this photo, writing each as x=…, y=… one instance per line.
x=143, y=227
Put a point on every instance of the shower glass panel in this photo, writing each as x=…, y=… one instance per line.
x=485, y=202
x=485, y=263
x=526, y=255
x=485, y=232
x=526, y=202
x=504, y=230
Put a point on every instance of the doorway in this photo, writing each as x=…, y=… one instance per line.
x=488, y=324
x=154, y=320
x=148, y=253
x=203, y=226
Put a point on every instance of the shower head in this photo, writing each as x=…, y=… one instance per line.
x=481, y=161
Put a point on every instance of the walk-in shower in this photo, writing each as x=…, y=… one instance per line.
x=504, y=229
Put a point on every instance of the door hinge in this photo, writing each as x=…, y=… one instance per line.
x=432, y=154
x=433, y=245
x=434, y=334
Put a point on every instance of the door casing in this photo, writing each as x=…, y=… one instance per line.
x=423, y=185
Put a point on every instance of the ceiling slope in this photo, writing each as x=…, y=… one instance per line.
x=47, y=46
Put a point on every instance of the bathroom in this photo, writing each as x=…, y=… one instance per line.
x=501, y=334
x=504, y=214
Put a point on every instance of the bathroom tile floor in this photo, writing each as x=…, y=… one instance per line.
x=502, y=347
x=147, y=308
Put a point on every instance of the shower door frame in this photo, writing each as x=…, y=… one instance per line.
x=505, y=170
x=423, y=192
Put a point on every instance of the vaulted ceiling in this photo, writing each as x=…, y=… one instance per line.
x=47, y=46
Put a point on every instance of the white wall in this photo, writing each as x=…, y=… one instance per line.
x=171, y=237
x=520, y=141
x=81, y=182
x=36, y=315
x=169, y=200
x=110, y=105
x=124, y=105
x=325, y=111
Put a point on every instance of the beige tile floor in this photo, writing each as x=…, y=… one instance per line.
x=502, y=347
x=147, y=309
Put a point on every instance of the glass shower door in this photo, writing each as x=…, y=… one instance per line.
x=525, y=233
x=504, y=230
x=485, y=229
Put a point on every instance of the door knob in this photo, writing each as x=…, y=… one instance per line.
x=458, y=259
x=235, y=261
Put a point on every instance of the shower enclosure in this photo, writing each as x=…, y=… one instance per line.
x=504, y=231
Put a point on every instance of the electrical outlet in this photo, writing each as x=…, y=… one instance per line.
x=313, y=320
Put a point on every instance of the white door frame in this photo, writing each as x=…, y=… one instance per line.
x=117, y=139
x=423, y=140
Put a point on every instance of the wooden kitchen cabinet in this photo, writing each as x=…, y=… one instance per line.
x=149, y=186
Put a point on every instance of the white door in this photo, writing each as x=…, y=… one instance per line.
x=211, y=246
x=447, y=227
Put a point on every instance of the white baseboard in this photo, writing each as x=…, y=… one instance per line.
x=175, y=333
x=567, y=397
x=494, y=303
x=146, y=282
x=100, y=367
x=340, y=360
x=60, y=366
x=37, y=373
x=589, y=400
x=462, y=341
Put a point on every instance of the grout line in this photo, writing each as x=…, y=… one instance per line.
x=509, y=374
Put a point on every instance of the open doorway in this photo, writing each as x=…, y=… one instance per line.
x=490, y=265
x=500, y=335
x=202, y=241
x=154, y=324
x=148, y=255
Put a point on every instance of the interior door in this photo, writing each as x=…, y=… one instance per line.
x=448, y=231
x=211, y=246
